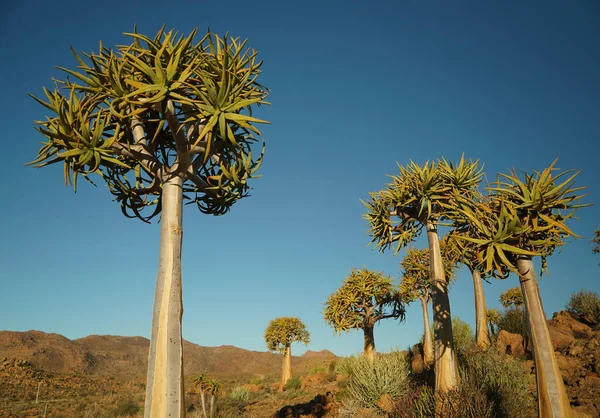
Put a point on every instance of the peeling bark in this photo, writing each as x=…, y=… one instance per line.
x=164, y=389
x=446, y=376
x=427, y=344
x=482, y=336
x=369, y=349
x=552, y=396
x=286, y=371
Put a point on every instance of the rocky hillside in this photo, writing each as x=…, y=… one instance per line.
x=577, y=349
x=126, y=358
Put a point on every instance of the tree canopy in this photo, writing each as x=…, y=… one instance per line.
x=283, y=331
x=156, y=107
x=364, y=298
x=512, y=297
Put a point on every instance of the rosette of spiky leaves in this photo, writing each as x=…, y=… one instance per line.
x=283, y=331
x=596, y=241
x=212, y=387
x=526, y=217
x=466, y=236
x=365, y=297
x=158, y=107
x=415, y=270
x=512, y=297
x=493, y=317
x=434, y=192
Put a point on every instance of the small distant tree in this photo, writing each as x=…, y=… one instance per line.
x=213, y=388
x=279, y=336
x=415, y=284
x=201, y=382
x=161, y=121
x=365, y=298
x=512, y=297
x=493, y=316
x=596, y=242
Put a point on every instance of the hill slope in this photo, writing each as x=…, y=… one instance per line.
x=126, y=358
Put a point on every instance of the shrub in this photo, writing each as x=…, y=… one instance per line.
x=502, y=379
x=387, y=374
x=240, y=395
x=514, y=321
x=126, y=408
x=293, y=384
x=463, y=335
x=587, y=305
x=469, y=401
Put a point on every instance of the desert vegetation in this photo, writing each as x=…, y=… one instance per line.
x=168, y=119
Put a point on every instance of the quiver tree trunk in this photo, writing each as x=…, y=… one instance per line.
x=165, y=359
x=446, y=370
x=482, y=336
x=427, y=343
x=286, y=371
x=369, y=350
x=203, y=400
x=552, y=397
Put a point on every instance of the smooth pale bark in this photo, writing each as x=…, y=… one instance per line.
x=286, y=371
x=482, y=336
x=427, y=344
x=212, y=406
x=369, y=338
x=552, y=396
x=446, y=369
x=203, y=405
x=164, y=388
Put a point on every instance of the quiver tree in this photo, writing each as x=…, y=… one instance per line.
x=365, y=298
x=596, y=242
x=512, y=297
x=161, y=121
x=492, y=317
x=279, y=336
x=415, y=285
x=470, y=255
x=427, y=196
x=523, y=219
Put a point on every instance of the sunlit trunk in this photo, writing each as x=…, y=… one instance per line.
x=164, y=389
x=427, y=344
x=212, y=406
x=286, y=372
x=482, y=336
x=369, y=350
x=203, y=405
x=446, y=376
x=552, y=397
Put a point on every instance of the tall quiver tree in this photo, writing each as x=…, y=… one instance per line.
x=279, y=336
x=365, y=298
x=526, y=218
x=426, y=197
x=161, y=121
x=415, y=284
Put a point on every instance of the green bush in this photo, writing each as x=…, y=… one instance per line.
x=504, y=381
x=386, y=374
x=514, y=321
x=293, y=384
x=492, y=385
x=587, y=305
x=239, y=394
x=463, y=335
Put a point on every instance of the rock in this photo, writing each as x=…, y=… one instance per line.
x=509, y=343
x=386, y=403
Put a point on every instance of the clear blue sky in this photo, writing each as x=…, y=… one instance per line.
x=356, y=87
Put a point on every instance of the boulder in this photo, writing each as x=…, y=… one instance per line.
x=510, y=343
